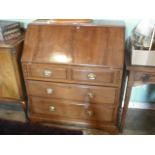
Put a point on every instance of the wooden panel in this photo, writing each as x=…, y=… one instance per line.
x=91, y=75
x=103, y=46
x=50, y=44
x=69, y=21
x=91, y=94
x=99, y=45
x=66, y=109
x=144, y=77
x=8, y=82
x=46, y=71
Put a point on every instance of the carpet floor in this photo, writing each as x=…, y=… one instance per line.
x=140, y=121
x=18, y=128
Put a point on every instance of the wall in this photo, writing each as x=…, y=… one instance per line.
x=130, y=24
x=24, y=22
x=144, y=93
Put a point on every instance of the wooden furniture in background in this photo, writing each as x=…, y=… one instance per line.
x=73, y=72
x=136, y=76
x=11, y=80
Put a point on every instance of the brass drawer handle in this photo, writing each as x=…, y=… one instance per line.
x=145, y=77
x=52, y=109
x=89, y=113
x=49, y=91
x=91, y=76
x=47, y=73
x=90, y=95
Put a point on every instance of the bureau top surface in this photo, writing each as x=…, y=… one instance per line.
x=79, y=22
x=79, y=44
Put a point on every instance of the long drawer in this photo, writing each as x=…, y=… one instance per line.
x=65, y=109
x=81, y=93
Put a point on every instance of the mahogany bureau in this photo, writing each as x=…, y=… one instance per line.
x=73, y=72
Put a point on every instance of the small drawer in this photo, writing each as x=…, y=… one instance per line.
x=109, y=76
x=145, y=77
x=65, y=109
x=46, y=71
x=80, y=93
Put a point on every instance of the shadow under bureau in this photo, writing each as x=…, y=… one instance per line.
x=73, y=72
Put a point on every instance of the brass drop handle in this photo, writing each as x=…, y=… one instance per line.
x=47, y=73
x=146, y=77
x=90, y=95
x=91, y=76
x=52, y=109
x=89, y=113
x=78, y=27
x=49, y=91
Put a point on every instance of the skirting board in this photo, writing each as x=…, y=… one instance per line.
x=140, y=105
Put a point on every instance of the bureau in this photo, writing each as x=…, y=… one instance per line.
x=73, y=72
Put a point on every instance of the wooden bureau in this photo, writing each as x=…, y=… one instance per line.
x=73, y=72
x=12, y=88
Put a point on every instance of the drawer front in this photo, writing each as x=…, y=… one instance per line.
x=91, y=94
x=66, y=109
x=47, y=71
x=109, y=76
x=145, y=77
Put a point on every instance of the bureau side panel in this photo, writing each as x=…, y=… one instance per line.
x=8, y=82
